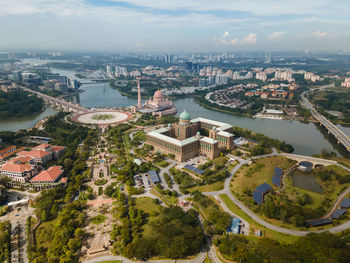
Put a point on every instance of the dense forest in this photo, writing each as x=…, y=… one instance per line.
x=58, y=207
x=313, y=248
x=18, y=105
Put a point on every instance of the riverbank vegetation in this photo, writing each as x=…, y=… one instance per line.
x=15, y=105
x=334, y=105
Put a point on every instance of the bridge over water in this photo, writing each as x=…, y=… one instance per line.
x=59, y=103
x=340, y=136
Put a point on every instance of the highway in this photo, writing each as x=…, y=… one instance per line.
x=337, y=133
x=62, y=102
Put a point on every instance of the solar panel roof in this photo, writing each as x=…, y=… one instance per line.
x=278, y=171
x=320, y=222
x=258, y=197
x=338, y=213
x=153, y=176
x=276, y=180
x=345, y=203
x=263, y=188
x=194, y=169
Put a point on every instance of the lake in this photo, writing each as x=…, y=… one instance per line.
x=306, y=182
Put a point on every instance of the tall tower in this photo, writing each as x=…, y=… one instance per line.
x=138, y=94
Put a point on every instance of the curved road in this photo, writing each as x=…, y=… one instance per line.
x=261, y=221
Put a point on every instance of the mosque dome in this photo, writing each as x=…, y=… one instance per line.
x=198, y=133
x=158, y=95
x=185, y=116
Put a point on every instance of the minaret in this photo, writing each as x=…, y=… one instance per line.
x=138, y=94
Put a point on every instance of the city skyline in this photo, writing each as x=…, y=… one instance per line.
x=181, y=26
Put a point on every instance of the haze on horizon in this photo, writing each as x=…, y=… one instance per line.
x=175, y=26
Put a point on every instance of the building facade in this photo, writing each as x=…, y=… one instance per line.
x=184, y=139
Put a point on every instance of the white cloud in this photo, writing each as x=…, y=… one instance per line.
x=277, y=35
x=250, y=39
x=225, y=35
x=318, y=34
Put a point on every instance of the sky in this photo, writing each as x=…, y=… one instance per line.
x=175, y=25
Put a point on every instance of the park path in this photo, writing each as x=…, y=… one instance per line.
x=227, y=191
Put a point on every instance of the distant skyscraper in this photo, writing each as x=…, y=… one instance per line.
x=267, y=57
x=168, y=58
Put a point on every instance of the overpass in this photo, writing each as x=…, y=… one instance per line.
x=59, y=103
x=340, y=136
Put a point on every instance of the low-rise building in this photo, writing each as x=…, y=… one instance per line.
x=184, y=140
x=19, y=169
x=49, y=176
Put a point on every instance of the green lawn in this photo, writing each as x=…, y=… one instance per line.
x=254, y=225
x=43, y=234
x=146, y=204
x=217, y=186
x=241, y=182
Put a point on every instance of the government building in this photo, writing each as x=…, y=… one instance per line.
x=185, y=141
x=157, y=106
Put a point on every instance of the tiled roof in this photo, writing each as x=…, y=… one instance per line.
x=7, y=149
x=49, y=175
x=17, y=168
x=58, y=148
x=34, y=154
x=20, y=160
x=42, y=146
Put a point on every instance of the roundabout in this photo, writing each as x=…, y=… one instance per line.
x=102, y=117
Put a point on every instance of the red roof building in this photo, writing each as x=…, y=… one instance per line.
x=51, y=175
x=39, y=156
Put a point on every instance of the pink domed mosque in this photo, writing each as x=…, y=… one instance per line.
x=158, y=105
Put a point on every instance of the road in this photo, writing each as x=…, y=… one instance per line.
x=58, y=101
x=337, y=133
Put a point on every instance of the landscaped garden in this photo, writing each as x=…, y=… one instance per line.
x=304, y=195
x=102, y=117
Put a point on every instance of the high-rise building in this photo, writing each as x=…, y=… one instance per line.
x=221, y=79
x=168, y=58
x=267, y=57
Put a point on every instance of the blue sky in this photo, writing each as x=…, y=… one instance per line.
x=175, y=25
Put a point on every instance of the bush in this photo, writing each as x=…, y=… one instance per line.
x=99, y=219
x=101, y=182
x=100, y=190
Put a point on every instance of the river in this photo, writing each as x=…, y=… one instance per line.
x=305, y=138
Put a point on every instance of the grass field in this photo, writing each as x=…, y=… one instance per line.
x=217, y=186
x=241, y=182
x=254, y=225
x=146, y=204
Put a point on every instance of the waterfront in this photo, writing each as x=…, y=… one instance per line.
x=25, y=122
x=305, y=138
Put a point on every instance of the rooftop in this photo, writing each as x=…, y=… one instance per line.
x=338, y=213
x=17, y=168
x=345, y=203
x=34, y=154
x=263, y=188
x=221, y=125
x=208, y=140
x=49, y=175
x=278, y=171
x=158, y=134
